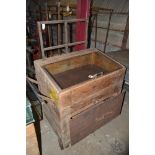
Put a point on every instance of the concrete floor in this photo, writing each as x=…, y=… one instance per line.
x=110, y=139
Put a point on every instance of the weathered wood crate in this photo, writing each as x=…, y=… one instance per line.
x=85, y=89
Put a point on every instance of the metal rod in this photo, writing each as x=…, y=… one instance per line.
x=107, y=43
x=35, y=91
x=39, y=96
x=32, y=80
x=110, y=29
x=107, y=12
x=126, y=34
x=107, y=32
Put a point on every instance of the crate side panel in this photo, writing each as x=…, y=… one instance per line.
x=94, y=117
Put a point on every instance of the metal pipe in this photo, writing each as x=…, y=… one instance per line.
x=107, y=32
x=126, y=34
x=109, y=29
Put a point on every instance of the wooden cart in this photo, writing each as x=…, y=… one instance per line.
x=84, y=90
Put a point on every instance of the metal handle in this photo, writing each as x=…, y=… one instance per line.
x=43, y=97
x=95, y=75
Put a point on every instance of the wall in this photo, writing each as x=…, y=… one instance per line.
x=117, y=22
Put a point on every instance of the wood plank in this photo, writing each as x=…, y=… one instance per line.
x=65, y=128
x=71, y=63
x=95, y=98
x=103, y=61
x=91, y=119
x=54, y=59
x=32, y=147
x=79, y=93
x=46, y=85
x=63, y=45
x=52, y=118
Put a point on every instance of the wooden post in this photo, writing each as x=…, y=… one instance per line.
x=96, y=29
x=66, y=45
x=41, y=40
x=70, y=34
x=59, y=28
x=66, y=37
x=49, y=29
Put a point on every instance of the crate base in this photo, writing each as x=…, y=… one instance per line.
x=89, y=120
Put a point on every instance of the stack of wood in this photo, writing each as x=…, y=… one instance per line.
x=83, y=92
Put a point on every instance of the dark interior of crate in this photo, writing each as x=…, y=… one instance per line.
x=75, y=70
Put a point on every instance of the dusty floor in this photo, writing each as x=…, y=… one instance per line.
x=111, y=139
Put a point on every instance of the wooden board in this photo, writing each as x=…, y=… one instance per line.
x=31, y=141
x=107, y=85
x=71, y=63
x=94, y=117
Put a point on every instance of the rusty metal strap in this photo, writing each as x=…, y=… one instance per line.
x=32, y=80
x=43, y=97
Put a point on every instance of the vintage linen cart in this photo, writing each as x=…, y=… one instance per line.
x=83, y=91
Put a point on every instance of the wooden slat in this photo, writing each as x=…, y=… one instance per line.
x=87, y=89
x=32, y=147
x=64, y=65
x=54, y=59
x=104, y=61
x=91, y=119
x=41, y=40
x=53, y=119
x=95, y=98
x=63, y=45
x=66, y=37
